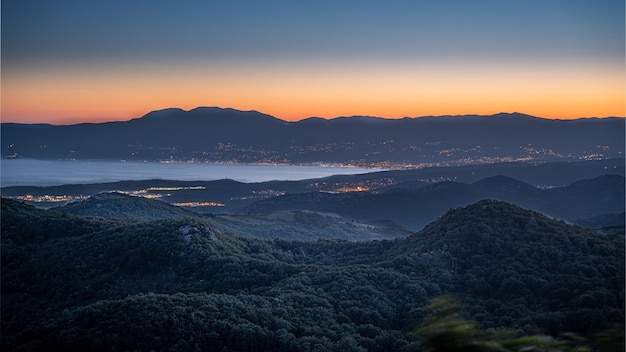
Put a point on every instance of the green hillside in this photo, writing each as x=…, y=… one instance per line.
x=122, y=206
x=74, y=283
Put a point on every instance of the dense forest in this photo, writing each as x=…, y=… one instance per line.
x=72, y=282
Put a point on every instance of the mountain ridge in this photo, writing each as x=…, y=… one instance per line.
x=211, y=134
x=167, y=111
x=416, y=207
x=163, y=114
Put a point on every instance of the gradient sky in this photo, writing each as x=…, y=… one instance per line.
x=73, y=61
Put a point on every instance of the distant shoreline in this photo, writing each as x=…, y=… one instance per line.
x=34, y=172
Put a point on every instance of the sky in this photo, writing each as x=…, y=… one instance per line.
x=69, y=61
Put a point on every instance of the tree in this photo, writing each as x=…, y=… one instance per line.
x=445, y=330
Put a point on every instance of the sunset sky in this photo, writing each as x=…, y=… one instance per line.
x=75, y=61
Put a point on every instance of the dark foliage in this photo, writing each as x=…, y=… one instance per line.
x=122, y=206
x=74, y=283
x=445, y=330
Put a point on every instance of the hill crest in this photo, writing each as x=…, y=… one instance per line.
x=123, y=206
x=475, y=228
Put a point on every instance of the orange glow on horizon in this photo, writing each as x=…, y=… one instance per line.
x=65, y=96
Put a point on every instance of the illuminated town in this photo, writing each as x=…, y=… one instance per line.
x=198, y=204
x=453, y=157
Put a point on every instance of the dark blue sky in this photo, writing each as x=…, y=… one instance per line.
x=84, y=30
x=51, y=36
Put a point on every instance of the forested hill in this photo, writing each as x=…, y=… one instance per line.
x=293, y=225
x=122, y=206
x=77, y=283
x=227, y=135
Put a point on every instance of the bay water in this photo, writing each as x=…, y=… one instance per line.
x=32, y=172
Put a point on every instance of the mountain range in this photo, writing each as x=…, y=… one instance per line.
x=227, y=135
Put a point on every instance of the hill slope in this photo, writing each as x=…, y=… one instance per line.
x=181, y=284
x=121, y=206
x=306, y=226
x=294, y=225
x=530, y=256
x=414, y=208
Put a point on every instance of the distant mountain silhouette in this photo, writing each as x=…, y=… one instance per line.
x=215, y=134
x=504, y=186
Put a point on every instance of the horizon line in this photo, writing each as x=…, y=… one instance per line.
x=97, y=120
